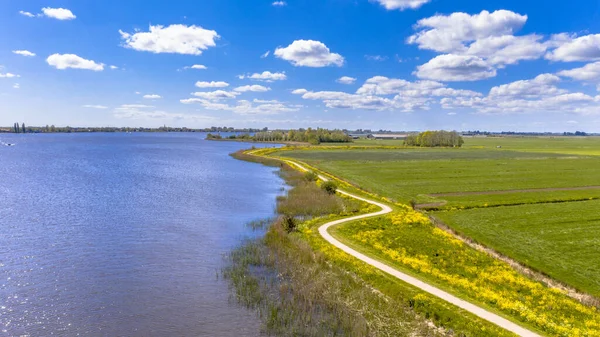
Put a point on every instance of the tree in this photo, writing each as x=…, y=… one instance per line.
x=329, y=186
x=23, y=127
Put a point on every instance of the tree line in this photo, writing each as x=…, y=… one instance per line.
x=435, y=139
x=312, y=136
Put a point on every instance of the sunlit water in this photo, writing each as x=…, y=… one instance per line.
x=124, y=234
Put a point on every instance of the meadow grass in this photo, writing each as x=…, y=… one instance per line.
x=406, y=174
x=561, y=240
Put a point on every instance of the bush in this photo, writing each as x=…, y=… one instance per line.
x=329, y=186
x=289, y=223
x=310, y=176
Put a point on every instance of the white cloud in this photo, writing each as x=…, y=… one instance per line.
x=177, y=39
x=449, y=33
x=152, y=96
x=266, y=54
x=212, y=84
x=254, y=88
x=16, y=86
x=28, y=14
x=9, y=75
x=24, y=53
x=401, y=4
x=299, y=91
x=94, y=106
x=451, y=67
x=538, y=95
x=114, y=67
x=382, y=93
x=199, y=66
x=309, y=53
x=279, y=3
x=542, y=85
x=266, y=76
x=64, y=61
x=508, y=49
x=245, y=107
x=585, y=48
x=377, y=58
x=381, y=85
x=216, y=95
x=589, y=73
x=58, y=13
x=346, y=80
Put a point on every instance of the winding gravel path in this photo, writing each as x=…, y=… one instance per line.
x=385, y=209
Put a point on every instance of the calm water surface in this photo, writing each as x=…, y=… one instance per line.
x=124, y=234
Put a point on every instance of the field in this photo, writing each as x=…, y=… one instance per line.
x=533, y=199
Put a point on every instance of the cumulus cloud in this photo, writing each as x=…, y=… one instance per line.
x=94, y=106
x=24, y=53
x=212, y=84
x=542, y=85
x=451, y=67
x=481, y=43
x=588, y=73
x=176, y=39
x=309, y=53
x=346, y=80
x=198, y=66
x=254, y=88
x=152, y=96
x=8, y=75
x=64, y=61
x=279, y=3
x=584, y=48
x=382, y=93
x=28, y=14
x=266, y=76
x=16, y=86
x=401, y=4
x=58, y=13
x=381, y=85
x=216, y=95
x=449, y=33
x=540, y=94
x=299, y=91
x=508, y=49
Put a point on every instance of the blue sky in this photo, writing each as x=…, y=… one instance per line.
x=391, y=64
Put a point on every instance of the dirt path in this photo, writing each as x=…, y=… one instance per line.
x=385, y=209
x=551, y=189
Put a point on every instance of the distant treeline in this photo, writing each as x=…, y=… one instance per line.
x=312, y=136
x=68, y=129
x=435, y=139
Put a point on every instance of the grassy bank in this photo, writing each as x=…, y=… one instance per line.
x=301, y=285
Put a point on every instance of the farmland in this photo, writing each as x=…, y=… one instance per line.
x=533, y=199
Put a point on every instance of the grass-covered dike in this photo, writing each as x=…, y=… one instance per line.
x=302, y=286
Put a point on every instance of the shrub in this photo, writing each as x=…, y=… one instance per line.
x=329, y=186
x=310, y=176
x=289, y=223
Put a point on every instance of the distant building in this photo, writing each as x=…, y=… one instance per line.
x=388, y=136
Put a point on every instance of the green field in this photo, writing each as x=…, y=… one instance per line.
x=563, y=240
x=501, y=197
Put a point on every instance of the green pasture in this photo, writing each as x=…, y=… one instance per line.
x=562, y=240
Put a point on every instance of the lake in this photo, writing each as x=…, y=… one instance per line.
x=125, y=234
